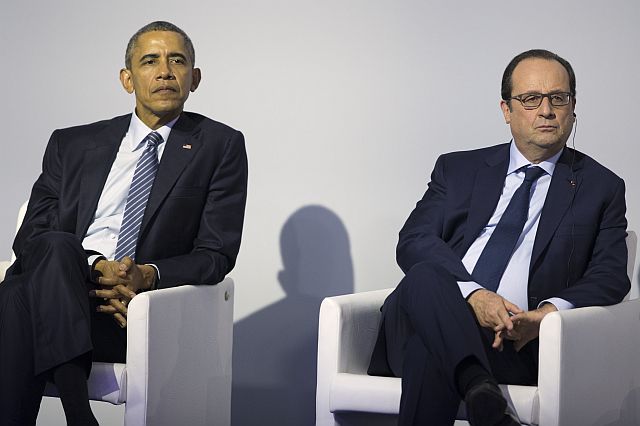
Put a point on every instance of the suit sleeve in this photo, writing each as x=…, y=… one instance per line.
x=42, y=210
x=421, y=237
x=605, y=280
x=218, y=240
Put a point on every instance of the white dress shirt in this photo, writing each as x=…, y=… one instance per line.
x=102, y=235
x=514, y=281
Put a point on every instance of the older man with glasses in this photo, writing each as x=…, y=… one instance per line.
x=503, y=236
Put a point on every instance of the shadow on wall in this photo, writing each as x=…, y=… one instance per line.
x=275, y=349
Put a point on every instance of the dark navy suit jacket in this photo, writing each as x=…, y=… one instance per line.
x=192, y=224
x=579, y=253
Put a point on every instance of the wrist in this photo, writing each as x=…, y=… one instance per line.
x=547, y=308
x=96, y=270
x=148, y=276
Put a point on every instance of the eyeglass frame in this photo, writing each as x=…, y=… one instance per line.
x=542, y=96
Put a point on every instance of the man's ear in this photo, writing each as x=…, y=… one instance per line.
x=506, y=111
x=126, y=80
x=196, y=76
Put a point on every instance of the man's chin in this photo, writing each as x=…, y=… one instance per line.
x=550, y=146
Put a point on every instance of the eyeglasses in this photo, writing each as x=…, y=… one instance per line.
x=534, y=100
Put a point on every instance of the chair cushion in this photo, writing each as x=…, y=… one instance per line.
x=372, y=394
x=525, y=401
x=359, y=392
x=107, y=382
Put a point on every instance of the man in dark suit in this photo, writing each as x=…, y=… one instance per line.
x=148, y=200
x=503, y=236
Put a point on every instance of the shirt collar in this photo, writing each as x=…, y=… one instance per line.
x=138, y=131
x=518, y=161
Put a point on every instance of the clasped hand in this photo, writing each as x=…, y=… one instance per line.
x=119, y=282
x=506, y=319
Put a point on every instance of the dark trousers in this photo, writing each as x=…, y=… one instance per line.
x=47, y=319
x=429, y=329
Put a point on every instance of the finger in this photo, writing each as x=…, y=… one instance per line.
x=512, y=307
x=497, y=342
x=118, y=306
x=125, y=291
x=126, y=263
x=104, y=294
x=106, y=309
x=511, y=335
x=521, y=317
x=120, y=319
x=112, y=281
x=504, y=317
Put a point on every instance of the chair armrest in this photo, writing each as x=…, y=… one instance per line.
x=347, y=331
x=348, y=328
x=179, y=344
x=4, y=265
x=589, y=372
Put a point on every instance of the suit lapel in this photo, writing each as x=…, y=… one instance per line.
x=486, y=193
x=181, y=148
x=559, y=198
x=97, y=160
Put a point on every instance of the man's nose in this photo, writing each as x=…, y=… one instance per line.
x=546, y=109
x=164, y=71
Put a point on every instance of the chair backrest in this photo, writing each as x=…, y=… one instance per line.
x=21, y=213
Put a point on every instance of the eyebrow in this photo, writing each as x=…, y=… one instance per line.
x=156, y=56
x=553, y=92
x=149, y=56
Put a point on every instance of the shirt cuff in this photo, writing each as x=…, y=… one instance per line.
x=155, y=283
x=560, y=304
x=468, y=287
x=93, y=259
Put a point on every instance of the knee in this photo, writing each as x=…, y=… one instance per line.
x=53, y=245
x=54, y=241
x=428, y=279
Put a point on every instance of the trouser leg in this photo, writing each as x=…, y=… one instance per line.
x=427, y=397
x=56, y=280
x=429, y=330
x=44, y=320
x=428, y=308
x=20, y=390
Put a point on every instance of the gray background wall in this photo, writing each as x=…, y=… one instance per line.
x=345, y=106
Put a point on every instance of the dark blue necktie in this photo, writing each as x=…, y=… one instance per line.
x=139, y=191
x=496, y=254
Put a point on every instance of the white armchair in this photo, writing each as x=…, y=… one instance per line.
x=178, y=369
x=589, y=366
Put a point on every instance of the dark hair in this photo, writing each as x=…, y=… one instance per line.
x=158, y=26
x=507, y=84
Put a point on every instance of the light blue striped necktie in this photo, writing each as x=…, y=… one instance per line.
x=139, y=191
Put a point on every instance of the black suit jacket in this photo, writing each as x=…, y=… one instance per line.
x=192, y=224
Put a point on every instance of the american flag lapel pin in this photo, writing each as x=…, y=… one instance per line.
x=186, y=146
